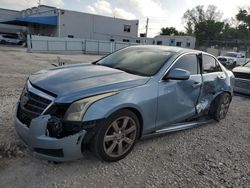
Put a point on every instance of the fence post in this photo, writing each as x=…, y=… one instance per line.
x=85, y=46
x=98, y=50
x=47, y=45
x=66, y=47
x=114, y=48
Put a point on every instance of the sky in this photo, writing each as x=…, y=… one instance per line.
x=161, y=13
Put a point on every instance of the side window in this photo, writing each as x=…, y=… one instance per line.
x=188, y=62
x=210, y=64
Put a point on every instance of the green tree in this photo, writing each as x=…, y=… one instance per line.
x=207, y=31
x=198, y=15
x=229, y=33
x=169, y=31
x=189, y=28
x=244, y=17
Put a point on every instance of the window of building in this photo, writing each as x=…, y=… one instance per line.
x=188, y=44
x=138, y=41
x=142, y=34
x=159, y=42
x=127, y=28
x=188, y=62
x=112, y=40
x=125, y=40
x=172, y=41
x=70, y=36
x=210, y=64
x=178, y=43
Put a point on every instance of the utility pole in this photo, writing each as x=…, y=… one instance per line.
x=39, y=2
x=146, y=28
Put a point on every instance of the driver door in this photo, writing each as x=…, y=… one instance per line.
x=177, y=98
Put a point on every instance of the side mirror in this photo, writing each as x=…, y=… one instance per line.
x=177, y=74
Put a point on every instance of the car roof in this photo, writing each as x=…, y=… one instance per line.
x=167, y=48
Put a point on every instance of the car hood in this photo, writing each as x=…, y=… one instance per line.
x=73, y=82
x=242, y=70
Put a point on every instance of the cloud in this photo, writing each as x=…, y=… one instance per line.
x=23, y=4
x=104, y=8
x=120, y=13
x=230, y=8
x=153, y=9
x=149, y=8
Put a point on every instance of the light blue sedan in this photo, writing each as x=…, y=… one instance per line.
x=130, y=94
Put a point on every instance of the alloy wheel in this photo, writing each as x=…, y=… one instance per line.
x=120, y=136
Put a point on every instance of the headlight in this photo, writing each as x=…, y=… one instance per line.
x=77, y=109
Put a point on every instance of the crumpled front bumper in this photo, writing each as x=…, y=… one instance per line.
x=48, y=148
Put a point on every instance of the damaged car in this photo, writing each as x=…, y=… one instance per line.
x=106, y=106
x=242, y=79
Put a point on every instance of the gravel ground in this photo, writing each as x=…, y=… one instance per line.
x=214, y=155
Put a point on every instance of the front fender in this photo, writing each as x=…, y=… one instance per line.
x=131, y=98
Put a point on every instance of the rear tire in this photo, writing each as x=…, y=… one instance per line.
x=2, y=42
x=116, y=137
x=219, y=107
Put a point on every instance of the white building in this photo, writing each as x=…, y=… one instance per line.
x=6, y=14
x=181, y=41
x=51, y=21
x=167, y=40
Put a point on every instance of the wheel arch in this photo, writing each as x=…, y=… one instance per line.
x=133, y=109
x=220, y=93
x=139, y=116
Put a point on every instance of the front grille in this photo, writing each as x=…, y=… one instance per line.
x=31, y=106
x=242, y=75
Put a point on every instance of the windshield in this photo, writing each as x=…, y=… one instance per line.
x=230, y=54
x=247, y=64
x=141, y=61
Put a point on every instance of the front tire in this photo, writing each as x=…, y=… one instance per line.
x=117, y=136
x=220, y=106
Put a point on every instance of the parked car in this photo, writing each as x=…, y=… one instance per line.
x=130, y=94
x=242, y=78
x=232, y=59
x=10, y=39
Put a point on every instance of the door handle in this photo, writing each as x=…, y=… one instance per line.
x=196, y=84
x=221, y=76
